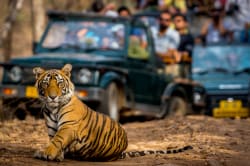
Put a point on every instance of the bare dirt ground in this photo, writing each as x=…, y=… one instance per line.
x=215, y=141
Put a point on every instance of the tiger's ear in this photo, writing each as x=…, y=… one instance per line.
x=67, y=69
x=38, y=71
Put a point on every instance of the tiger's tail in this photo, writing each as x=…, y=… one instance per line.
x=148, y=152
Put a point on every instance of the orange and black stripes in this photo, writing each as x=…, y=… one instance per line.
x=103, y=137
x=99, y=137
x=74, y=128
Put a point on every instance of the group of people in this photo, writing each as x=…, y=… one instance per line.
x=172, y=38
x=222, y=21
x=228, y=21
x=174, y=42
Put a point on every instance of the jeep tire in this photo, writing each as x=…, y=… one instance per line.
x=177, y=106
x=110, y=104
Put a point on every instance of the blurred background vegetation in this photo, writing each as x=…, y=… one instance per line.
x=21, y=35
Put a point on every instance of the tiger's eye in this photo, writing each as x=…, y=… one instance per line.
x=61, y=85
x=44, y=85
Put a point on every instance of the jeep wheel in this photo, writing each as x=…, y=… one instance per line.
x=110, y=105
x=163, y=111
x=177, y=107
x=6, y=111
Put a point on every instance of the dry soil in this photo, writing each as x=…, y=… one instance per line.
x=215, y=141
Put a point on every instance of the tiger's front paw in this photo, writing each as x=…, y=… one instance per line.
x=50, y=153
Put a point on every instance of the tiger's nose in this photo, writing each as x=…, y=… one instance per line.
x=52, y=96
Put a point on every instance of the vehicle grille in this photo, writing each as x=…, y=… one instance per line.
x=214, y=100
x=28, y=76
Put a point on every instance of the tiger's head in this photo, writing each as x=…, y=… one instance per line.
x=54, y=86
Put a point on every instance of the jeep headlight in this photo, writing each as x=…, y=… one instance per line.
x=15, y=74
x=85, y=76
x=197, y=97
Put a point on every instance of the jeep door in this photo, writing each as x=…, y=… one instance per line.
x=144, y=79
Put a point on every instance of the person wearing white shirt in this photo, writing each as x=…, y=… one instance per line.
x=167, y=41
x=166, y=37
x=239, y=17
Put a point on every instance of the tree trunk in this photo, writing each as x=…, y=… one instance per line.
x=38, y=19
x=6, y=32
x=7, y=45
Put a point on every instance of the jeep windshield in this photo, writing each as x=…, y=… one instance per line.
x=221, y=59
x=84, y=36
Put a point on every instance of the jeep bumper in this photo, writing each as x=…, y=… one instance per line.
x=89, y=94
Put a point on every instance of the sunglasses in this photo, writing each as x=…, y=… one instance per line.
x=165, y=20
x=178, y=20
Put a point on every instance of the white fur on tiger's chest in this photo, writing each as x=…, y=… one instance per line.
x=52, y=124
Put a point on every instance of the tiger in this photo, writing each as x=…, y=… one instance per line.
x=74, y=129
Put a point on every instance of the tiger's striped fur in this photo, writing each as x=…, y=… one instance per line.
x=74, y=128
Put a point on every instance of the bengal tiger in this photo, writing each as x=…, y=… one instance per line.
x=76, y=130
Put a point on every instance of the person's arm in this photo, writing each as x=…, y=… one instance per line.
x=204, y=29
x=222, y=28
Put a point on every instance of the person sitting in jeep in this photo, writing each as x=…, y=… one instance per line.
x=136, y=50
x=185, y=48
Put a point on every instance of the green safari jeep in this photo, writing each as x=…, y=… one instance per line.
x=114, y=68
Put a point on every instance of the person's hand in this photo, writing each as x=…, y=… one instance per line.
x=177, y=56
